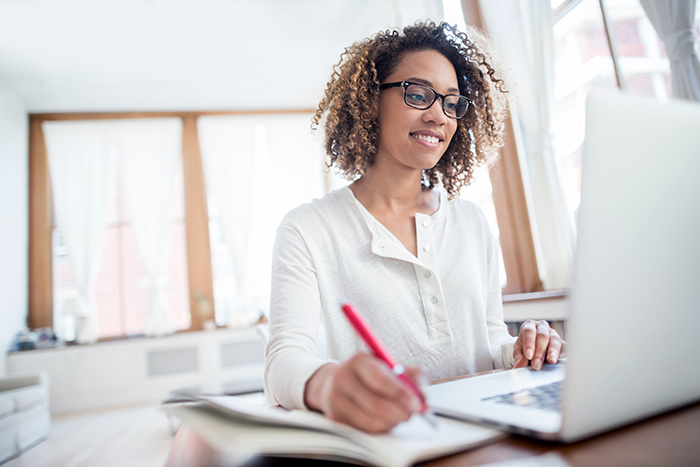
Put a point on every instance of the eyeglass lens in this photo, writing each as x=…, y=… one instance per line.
x=422, y=97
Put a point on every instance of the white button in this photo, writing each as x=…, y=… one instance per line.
x=426, y=248
x=433, y=300
x=427, y=274
x=426, y=223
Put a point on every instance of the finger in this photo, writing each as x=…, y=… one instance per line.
x=383, y=413
x=541, y=344
x=555, y=346
x=350, y=401
x=527, y=337
x=348, y=409
x=381, y=379
x=378, y=378
x=521, y=361
x=518, y=356
x=419, y=377
x=377, y=391
x=420, y=381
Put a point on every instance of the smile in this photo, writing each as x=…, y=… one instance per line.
x=426, y=138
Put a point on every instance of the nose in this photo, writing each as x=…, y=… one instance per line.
x=435, y=114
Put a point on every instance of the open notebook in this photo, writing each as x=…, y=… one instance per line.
x=237, y=427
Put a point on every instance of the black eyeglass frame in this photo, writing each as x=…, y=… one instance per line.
x=406, y=84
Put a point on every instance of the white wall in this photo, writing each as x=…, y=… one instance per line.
x=14, y=218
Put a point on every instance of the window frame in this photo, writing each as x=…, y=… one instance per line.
x=510, y=200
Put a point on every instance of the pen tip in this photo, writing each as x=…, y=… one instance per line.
x=430, y=418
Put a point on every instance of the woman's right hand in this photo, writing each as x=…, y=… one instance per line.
x=364, y=393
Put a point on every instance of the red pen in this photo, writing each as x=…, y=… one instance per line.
x=380, y=352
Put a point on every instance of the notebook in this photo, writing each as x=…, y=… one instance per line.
x=239, y=427
x=634, y=311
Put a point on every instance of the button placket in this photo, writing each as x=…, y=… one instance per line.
x=429, y=282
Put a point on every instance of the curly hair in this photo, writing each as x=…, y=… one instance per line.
x=349, y=108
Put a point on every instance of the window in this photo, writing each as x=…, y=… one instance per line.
x=118, y=227
x=257, y=168
x=283, y=156
x=586, y=54
x=121, y=290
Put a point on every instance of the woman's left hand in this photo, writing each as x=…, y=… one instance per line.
x=536, y=342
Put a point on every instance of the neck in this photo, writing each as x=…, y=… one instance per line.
x=390, y=190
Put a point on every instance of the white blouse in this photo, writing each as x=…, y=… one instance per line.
x=440, y=311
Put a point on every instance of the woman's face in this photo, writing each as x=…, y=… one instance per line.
x=410, y=138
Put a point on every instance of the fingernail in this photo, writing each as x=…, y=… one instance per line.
x=553, y=356
x=537, y=363
x=528, y=354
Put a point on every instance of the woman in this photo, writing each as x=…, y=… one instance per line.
x=403, y=114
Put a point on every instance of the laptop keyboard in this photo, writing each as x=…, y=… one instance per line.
x=545, y=397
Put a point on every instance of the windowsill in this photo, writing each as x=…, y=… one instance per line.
x=518, y=297
x=229, y=334
x=550, y=305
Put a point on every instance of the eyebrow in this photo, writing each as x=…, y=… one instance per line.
x=428, y=83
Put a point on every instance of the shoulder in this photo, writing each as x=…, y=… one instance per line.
x=331, y=207
x=463, y=208
x=322, y=224
x=468, y=214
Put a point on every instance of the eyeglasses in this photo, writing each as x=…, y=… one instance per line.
x=422, y=97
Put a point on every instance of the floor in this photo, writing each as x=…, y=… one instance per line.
x=135, y=436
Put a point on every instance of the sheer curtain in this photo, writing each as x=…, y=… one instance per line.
x=522, y=32
x=228, y=154
x=673, y=21
x=79, y=155
x=150, y=153
x=298, y=159
x=257, y=168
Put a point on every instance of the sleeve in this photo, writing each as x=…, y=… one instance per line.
x=500, y=340
x=295, y=313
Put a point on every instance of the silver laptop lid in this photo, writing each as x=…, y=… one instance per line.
x=637, y=274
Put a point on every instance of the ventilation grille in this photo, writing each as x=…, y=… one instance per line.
x=173, y=361
x=238, y=353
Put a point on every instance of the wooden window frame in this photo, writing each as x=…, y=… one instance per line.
x=510, y=200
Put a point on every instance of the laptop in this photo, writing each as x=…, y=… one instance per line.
x=634, y=310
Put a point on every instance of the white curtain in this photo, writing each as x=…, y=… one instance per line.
x=79, y=156
x=297, y=158
x=228, y=154
x=150, y=154
x=673, y=21
x=257, y=168
x=522, y=33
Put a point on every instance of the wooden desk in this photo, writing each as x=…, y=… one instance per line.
x=671, y=439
